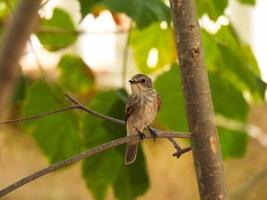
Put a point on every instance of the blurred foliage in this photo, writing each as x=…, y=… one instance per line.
x=57, y=135
x=212, y=8
x=233, y=72
x=153, y=37
x=75, y=75
x=58, y=32
x=172, y=98
x=142, y=12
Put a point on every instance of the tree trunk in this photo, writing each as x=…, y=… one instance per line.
x=199, y=107
x=13, y=43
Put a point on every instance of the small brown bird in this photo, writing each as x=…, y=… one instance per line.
x=141, y=109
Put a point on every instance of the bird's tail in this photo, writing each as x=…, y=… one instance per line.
x=131, y=151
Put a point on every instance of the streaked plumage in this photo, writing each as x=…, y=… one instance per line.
x=141, y=109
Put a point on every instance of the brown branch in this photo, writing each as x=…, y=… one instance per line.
x=245, y=188
x=14, y=41
x=40, y=115
x=99, y=115
x=57, y=30
x=199, y=107
x=83, y=155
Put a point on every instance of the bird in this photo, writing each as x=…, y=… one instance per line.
x=141, y=108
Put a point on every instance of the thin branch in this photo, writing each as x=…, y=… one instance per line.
x=43, y=4
x=252, y=130
x=99, y=115
x=40, y=115
x=57, y=30
x=78, y=157
x=245, y=188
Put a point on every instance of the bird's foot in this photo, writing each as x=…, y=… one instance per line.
x=141, y=135
x=152, y=132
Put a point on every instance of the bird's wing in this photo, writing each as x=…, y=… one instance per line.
x=131, y=105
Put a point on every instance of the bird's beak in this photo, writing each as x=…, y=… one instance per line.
x=132, y=81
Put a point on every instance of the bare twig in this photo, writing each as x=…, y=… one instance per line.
x=251, y=129
x=14, y=41
x=99, y=115
x=245, y=188
x=57, y=30
x=40, y=115
x=78, y=157
x=43, y=4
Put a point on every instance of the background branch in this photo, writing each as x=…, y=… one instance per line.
x=83, y=155
x=13, y=44
x=199, y=107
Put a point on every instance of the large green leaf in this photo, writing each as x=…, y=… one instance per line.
x=75, y=75
x=172, y=111
x=132, y=180
x=142, y=12
x=213, y=8
x=57, y=135
x=250, y=2
x=58, y=32
x=234, y=60
x=233, y=143
x=108, y=168
x=153, y=37
x=228, y=100
x=230, y=103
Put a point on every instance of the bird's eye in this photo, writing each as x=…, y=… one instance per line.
x=143, y=81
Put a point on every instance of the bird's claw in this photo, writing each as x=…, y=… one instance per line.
x=141, y=135
x=152, y=132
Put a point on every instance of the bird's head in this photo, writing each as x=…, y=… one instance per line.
x=140, y=83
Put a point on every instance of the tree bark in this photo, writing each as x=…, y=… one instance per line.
x=199, y=107
x=13, y=43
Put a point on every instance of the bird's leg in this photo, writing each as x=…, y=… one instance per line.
x=141, y=135
x=152, y=132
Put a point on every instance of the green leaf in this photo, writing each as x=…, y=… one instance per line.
x=229, y=102
x=157, y=39
x=132, y=180
x=234, y=60
x=142, y=12
x=213, y=8
x=75, y=75
x=233, y=143
x=58, y=32
x=250, y=2
x=172, y=111
x=57, y=135
x=108, y=168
